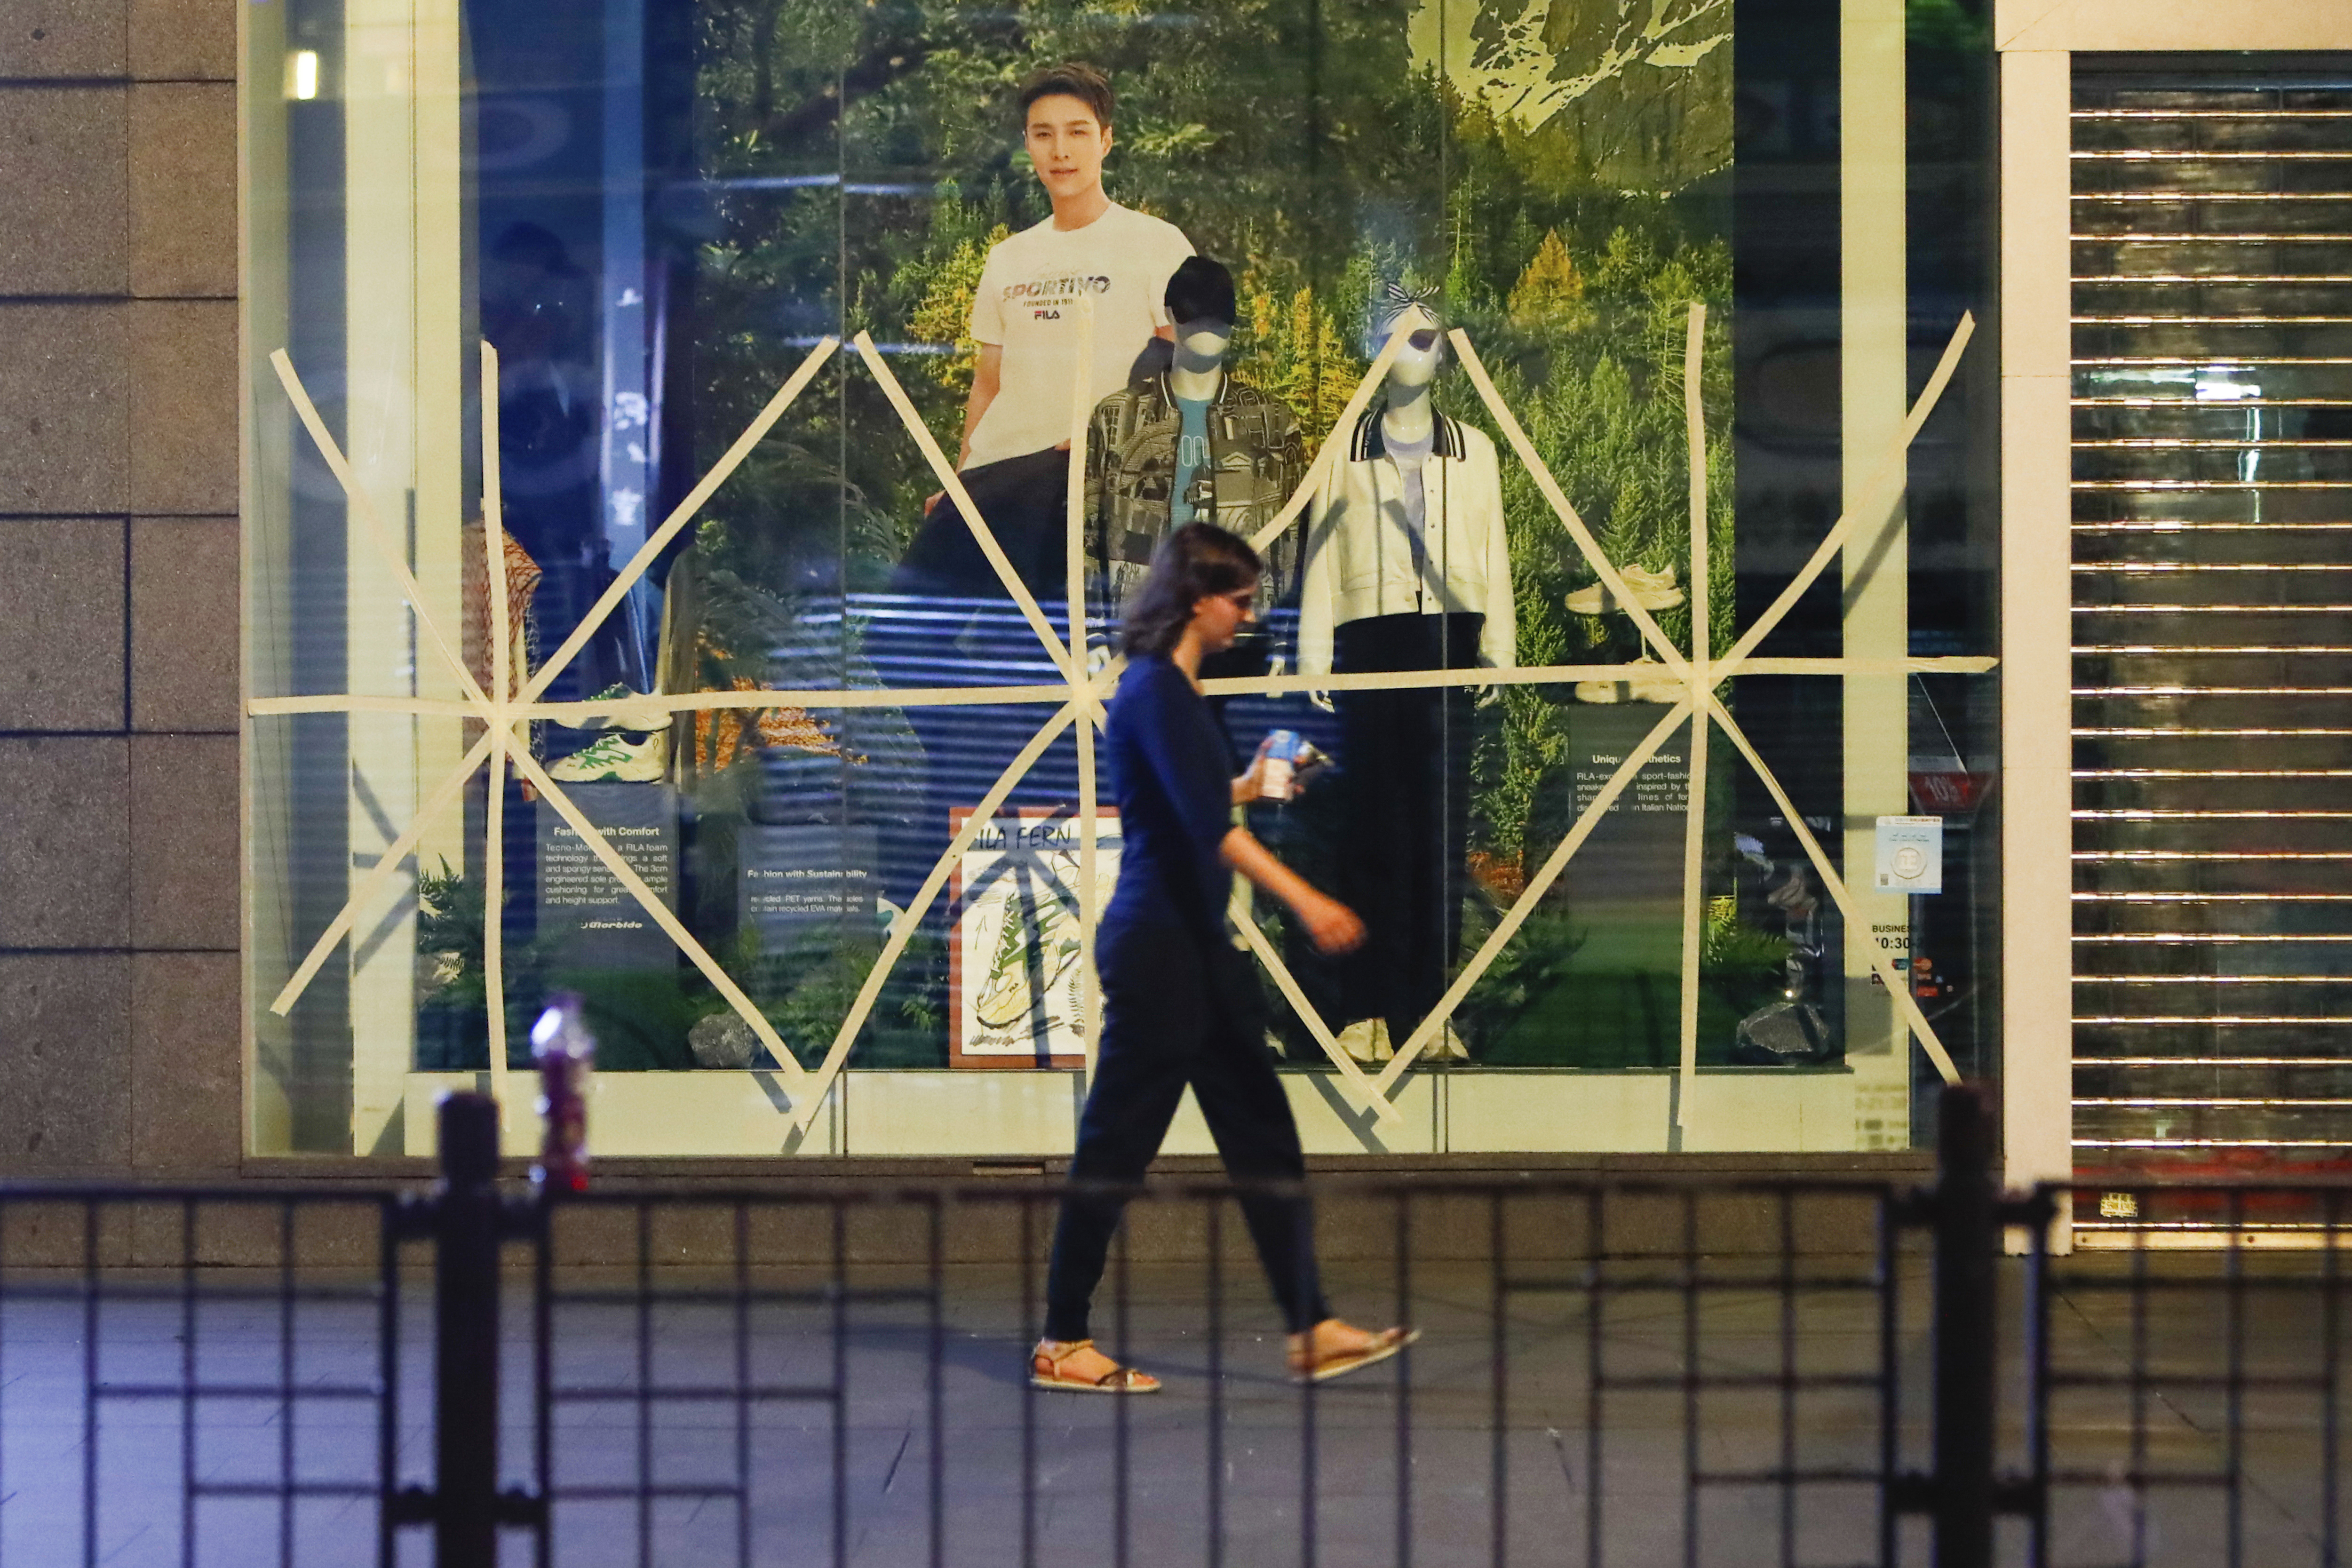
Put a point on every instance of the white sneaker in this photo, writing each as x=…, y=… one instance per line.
x=1448, y=1045
x=1645, y=680
x=1651, y=590
x=618, y=708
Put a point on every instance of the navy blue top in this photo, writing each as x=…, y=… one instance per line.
x=1170, y=771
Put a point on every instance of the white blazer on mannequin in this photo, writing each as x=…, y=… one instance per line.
x=1360, y=554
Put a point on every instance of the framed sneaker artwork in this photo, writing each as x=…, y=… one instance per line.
x=1017, y=992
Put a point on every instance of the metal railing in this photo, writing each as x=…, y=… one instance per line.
x=1610, y=1372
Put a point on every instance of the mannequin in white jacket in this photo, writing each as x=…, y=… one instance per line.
x=1366, y=557
x=1408, y=568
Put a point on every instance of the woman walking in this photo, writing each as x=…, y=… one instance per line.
x=1180, y=1004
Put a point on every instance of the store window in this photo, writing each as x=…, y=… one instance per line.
x=700, y=452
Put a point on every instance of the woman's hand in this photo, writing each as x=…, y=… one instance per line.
x=1331, y=925
x=1251, y=786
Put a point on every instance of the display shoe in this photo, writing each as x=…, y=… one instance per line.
x=1366, y=1040
x=613, y=758
x=1645, y=680
x=1447, y=1046
x=1651, y=590
x=618, y=708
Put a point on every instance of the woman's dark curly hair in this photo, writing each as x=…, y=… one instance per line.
x=1199, y=560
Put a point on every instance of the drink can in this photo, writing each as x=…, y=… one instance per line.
x=1281, y=765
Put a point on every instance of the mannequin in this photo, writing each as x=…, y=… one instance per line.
x=1186, y=441
x=1406, y=570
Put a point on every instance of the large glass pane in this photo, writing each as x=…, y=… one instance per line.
x=760, y=656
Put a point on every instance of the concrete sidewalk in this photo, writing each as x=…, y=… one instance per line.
x=1399, y=1464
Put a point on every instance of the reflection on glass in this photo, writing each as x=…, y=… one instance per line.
x=659, y=211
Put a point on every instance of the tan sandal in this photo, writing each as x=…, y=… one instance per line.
x=1384, y=1344
x=1045, y=1372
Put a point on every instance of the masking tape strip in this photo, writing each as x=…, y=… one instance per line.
x=1538, y=885
x=398, y=850
x=1360, y=1086
x=394, y=560
x=902, y=930
x=1075, y=565
x=680, y=515
x=1589, y=546
x=1695, y=436
x=354, y=702
x=1886, y=482
x=1701, y=644
x=1090, y=693
x=952, y=483
x=795, y=1075
x=1904, y=1005
x=494, y=837
x=1693, y=914
x=581, y=714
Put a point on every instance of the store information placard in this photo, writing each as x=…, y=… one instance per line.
x=599, y=924
x=1624, y=888
x=1016, y=993
x=798, y=882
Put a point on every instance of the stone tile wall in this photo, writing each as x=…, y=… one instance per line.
x=119, y=911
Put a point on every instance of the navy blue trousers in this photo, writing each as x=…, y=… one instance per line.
x=1178, y=1010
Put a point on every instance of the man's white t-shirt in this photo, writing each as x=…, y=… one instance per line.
x=1027, y=303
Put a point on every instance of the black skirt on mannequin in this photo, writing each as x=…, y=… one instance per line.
x=1405, y=828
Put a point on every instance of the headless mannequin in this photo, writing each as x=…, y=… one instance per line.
x=1408, y=806
x=1200, y=365
x=1197, y=371
x=1196, y=374
x=1409, y=421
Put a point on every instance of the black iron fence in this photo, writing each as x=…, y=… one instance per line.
x=1610, y=1372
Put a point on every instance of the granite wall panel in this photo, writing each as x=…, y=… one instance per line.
x=183, y=360
x=51, y=39
x=184, y=623
x=61, y=623
x=182, y=154
x=65, y=863
x=181, y=40
x=186, y=1097
x=66, y=1019
x=183, y=847
x=65, y=386
x=62, y=164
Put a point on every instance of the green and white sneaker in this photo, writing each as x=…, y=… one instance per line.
x=613, y=758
